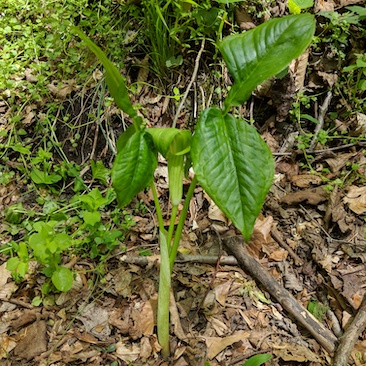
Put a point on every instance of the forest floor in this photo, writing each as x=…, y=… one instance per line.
x=310, y=235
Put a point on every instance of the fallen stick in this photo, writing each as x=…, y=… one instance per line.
x=350, y=336
x=181, y=258
x=235, y=246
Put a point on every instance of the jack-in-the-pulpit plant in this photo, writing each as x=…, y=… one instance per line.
x=230, y=160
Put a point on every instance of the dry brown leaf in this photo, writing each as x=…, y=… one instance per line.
x=278, y=255
x=244, y=19
x=115, y=320
x=352, y=287
x=218, y=325
x=270, y=141
x=297, y=353
x=323, y=5
x=4, y=275
x=146, y=348
x=216, y=345
x=263, y=226
x=221, y=292
x=344, y=3
x=122, y=281
x=29, y=76
x=362, y=165
x=127, y=353
x=7, y=290
x=7, y=345
x=147, y=319
x=28, y=115
x=356, y=199
x=175, y=318
x=32, y=341
x=361, y=124
x=337, y=163
x=330, y=78
x=311, y=196
x=214, y=213
x=339, y=216
x=306, y=180
x=97, y=75
x=290, y=168
x=95, y=320
x=327, y=262
x=62, y=90
x=143, y=70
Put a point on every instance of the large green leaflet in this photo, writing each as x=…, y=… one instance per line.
x=115, y=82
x=234, y=166
x=134, y=167
x=258, y=54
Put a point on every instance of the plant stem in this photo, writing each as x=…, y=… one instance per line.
x=182, y=219
x=171, y=226
x=158, y=207
x=167, y=258
x=164, y=294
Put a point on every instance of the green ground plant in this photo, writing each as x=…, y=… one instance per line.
x=230, y=160
x=78, y=228
x=317, y=309
x=257, y=360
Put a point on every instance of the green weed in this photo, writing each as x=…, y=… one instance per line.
x=49, y=235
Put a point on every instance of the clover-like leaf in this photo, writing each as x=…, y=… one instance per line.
x=62, y=279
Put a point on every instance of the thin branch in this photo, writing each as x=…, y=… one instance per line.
x=322, y=111
x=350, y=336
x=194, y=75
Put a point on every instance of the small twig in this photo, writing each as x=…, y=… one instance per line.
x=194, y=75
x=349, y=339
x=20, y=303
x=322, y=111
x=336, y=327
x=277, y=236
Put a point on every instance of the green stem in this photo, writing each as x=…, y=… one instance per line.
x=158, y=207
x=173, y=216
x=182, y=219
x=164, y=295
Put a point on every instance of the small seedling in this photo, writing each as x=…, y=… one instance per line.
x=257, y=360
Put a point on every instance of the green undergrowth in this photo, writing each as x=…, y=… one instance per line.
x=86, y=226
x=337, y=63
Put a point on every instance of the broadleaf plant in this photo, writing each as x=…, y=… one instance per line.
x=230, y=160
x=255, y=56
x=234, y=166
